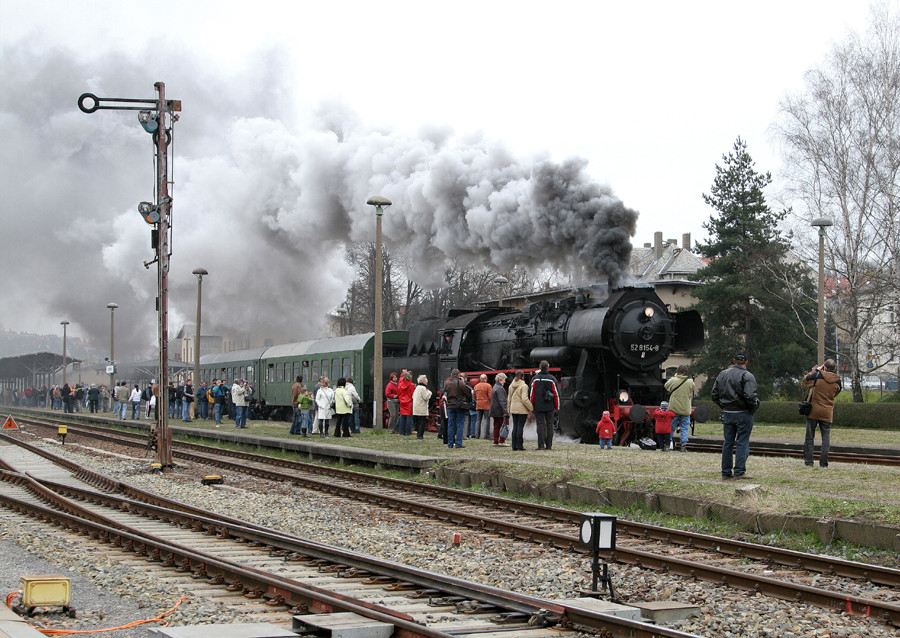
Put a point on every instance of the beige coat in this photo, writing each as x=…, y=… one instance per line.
x=421, y=396
x=518, y=402
x=826, y=388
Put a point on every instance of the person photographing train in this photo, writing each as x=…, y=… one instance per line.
x=824, y=384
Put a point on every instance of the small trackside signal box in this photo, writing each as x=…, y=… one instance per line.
x=38, y=591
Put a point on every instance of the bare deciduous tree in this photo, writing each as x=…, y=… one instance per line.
x=842, y=152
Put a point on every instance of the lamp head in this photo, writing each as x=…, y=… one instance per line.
x=500, y=280
x=112, y=306
x=64, y=323
x=379, y=202
x=200, y=272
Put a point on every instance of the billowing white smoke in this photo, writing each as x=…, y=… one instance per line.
x=265, y=206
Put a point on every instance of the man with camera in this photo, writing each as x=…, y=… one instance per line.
x=824, y=385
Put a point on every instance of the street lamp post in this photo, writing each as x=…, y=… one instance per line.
x=199, y=272
x=821, y=223
x=380, y=203
x=501, y=281
x=112, y=345
x=64, y=323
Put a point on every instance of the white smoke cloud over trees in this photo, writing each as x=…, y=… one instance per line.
x=266, y=195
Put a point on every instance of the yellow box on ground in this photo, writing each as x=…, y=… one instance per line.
x=39, y=591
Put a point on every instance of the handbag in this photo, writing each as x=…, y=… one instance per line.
x=504, y=430
x=805, y=406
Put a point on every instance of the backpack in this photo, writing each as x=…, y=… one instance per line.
x=147, y=393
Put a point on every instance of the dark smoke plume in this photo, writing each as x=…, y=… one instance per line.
x=264, y=198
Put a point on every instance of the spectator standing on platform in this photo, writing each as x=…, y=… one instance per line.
x=421, y=397
x=735, y=391
x=187, y=400
x=220, y=393
x=393, y=402
x=681, y=394
x=482, y=394
x=122, y=398
x=295, y=394
x=498, y=407
x=606, y=430
x=240, y=392
x=519, y=406
x=354, y=421
x=456, y=391
x=405, y=390
x=824, y=385
x=93, y=398
x=135, y=400
x=324, y=407
x=343, y=408
x=662, y=421
x=201, y=405
x=305, y=402
x=544, y=397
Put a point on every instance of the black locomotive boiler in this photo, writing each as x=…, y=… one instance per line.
x=606, y=352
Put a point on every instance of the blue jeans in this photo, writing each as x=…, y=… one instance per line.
x=185, y=410
x=356, y=420
x=736, y=428
x=305, y=420
x=472, y=430
x=685, y=422
x=203, y=407
x=404, y=424
x=456, y=423
x=240, y=416
x=295, y=424
x=122, y=410
x=219, y=412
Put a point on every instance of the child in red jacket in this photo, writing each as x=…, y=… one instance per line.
x=605, y=430
x=663, y=419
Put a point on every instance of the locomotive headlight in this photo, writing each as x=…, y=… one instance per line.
x=623, y=397
x=648, y=313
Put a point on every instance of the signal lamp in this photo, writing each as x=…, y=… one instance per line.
x=148, y=212
x=598, y=532
x=148, y=121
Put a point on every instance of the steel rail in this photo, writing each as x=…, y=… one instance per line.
x=741, y=549
x=311, y=597
x=787, y=591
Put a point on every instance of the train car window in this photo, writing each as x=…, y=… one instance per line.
x=279, y=372
x=270, y=373
x=314, y=373
x=346, y=370
x=295, y=370
x=335, y=370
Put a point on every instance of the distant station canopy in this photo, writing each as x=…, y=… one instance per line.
x=27, y=368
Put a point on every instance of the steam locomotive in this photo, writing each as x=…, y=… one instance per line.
x=606, y=353
x=605, y=350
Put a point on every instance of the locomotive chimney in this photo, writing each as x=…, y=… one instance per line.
x=657, y=245
x=686, y=241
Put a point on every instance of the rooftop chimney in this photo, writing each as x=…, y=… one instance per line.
x=657, y=245
x=686, y=241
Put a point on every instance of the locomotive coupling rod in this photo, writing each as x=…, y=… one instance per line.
x=88, y=103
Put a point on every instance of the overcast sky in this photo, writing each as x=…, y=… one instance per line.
x=294, y=112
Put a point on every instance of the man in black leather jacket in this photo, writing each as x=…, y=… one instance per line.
x=735, y=391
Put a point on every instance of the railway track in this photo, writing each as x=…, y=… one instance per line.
x=282, y=576
x=761, y=449
x=784, y=574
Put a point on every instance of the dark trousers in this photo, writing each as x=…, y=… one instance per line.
x=518, y=430
x=420, y=422
x=341, y=424
x=809, y=443
x=543, y=421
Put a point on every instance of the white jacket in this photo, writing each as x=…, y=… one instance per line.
x=324, y=399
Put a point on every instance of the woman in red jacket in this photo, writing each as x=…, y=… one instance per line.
x=405, y=391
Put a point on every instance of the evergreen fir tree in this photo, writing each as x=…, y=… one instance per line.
x=753, y=298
